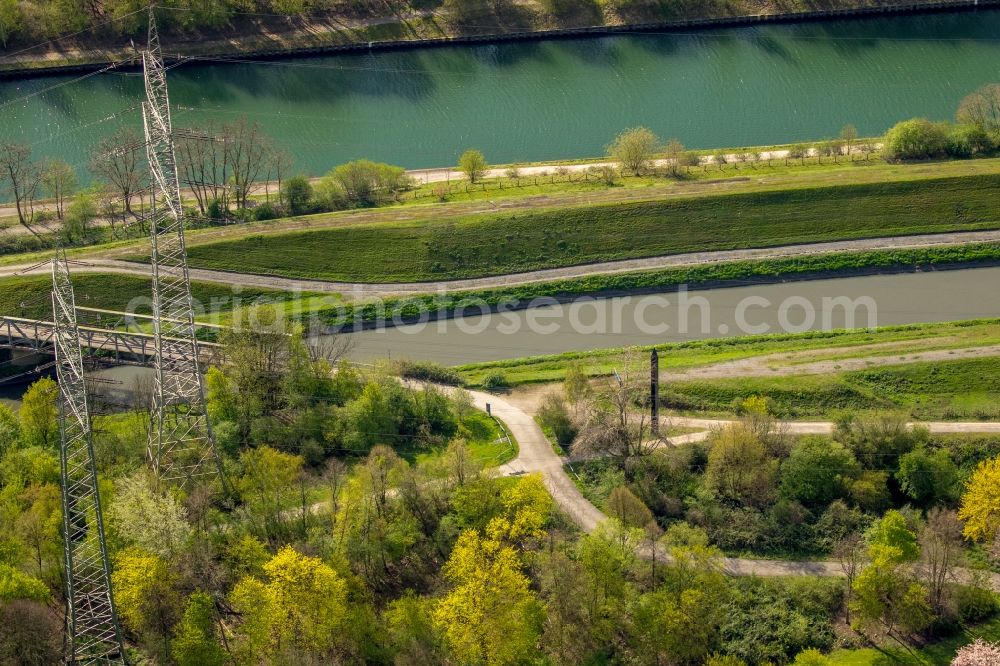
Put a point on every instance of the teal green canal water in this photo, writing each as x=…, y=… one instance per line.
x=549, y=99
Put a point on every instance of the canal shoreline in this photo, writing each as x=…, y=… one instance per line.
x=125, y=59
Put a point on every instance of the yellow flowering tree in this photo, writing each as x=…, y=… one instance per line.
x=300, y=606
x=491, y=616
x=980, y=507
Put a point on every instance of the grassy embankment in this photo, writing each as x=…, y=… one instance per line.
x=563, y=193
x=29, y=296
x=807, y=348
x=501, y=244
x=567, y=189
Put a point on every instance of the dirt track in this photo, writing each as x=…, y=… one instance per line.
x=536, y=455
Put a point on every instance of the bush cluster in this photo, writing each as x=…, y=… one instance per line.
x=921, y=139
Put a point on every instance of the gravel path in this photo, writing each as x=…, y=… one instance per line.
x=537, y=455
x=356, y=290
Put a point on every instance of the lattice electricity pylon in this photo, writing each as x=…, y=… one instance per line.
x=92, y=632
x=180, y=446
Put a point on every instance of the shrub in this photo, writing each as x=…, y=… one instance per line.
x=15, y=584
x=215, y=210
x=633, y=149
x=388, y=411
x=29, y=634
x=788, y=526
x=968, y=141
x=773, y=619
x=811, y=657
x=915, y=139
x=869, y=491
x=473, y=164
x=974, y=603
x=739, y=467
x=364, y=183
x=266, y=211
x=878, y=440
x=816, y=472
x=928, y=477
x=836, y=523
x=724, y=660
x=495, y=380
x=553, y=414
x=606, y=173
x=296, y=192
x=691, y=159
x=428, y=372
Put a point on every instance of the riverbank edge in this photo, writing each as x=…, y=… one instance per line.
x=425, y=308
x=469, y=370
x=39, y=68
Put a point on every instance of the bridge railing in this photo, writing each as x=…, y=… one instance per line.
x=124, y=346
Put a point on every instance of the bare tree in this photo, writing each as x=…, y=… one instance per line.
x=278, y=164
x=247, y=150
x=982, y=109
x=202, y=164
x=850, y=554
x=335, y=476
x=60, y=182
x=849, y=137
x=940, y=551
x=22, y=177
x=617, y=422
x=674, y=151
x=119, y=161
x=111, y=208
x=141, y=392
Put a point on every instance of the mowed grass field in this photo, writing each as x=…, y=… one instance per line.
x=497, y=244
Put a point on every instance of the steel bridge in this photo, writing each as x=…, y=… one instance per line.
x=121, y=346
